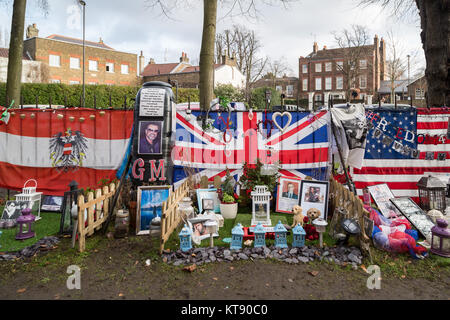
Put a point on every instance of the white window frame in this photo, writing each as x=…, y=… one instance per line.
x=54, y=60
x=304, y=68
x=127, y=71
x=91, y=65
x=318, y=83
x=327, y=66
x=305, y=85
x=74, y=82
x=279, y=88
x=339, y=65
x=339, y=83
x=318, y=97
x=289, y=90
x=74, y=63
x=318, y=67
x=363, y=64
x=363, y=81
x=419, y=93
x=328, y=83
x=109, y=64
x=55, y=81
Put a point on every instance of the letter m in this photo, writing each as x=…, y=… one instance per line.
x=157, y=173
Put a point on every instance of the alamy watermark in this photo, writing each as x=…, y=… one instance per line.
x=74, y=280
x=374, y=281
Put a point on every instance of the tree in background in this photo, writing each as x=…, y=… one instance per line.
x=435, y=24
x=258, y=98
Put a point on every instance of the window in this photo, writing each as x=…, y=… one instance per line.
x=328, y=67
x=74, y=82
x=124, y=69
x=54, y=61
x=318, y=83
x=305, y=85
x=420, y=93
x=328, y=83
x=318, y=97
x=290, y=90
x=74, y=63
x=305, y=68
x=352, y=65
x=339, y=83
x=92, y=83
x=93, y=65
x=318, y=67
x=363, y=81
x=339, y=65
x=109, y=67
x=363, y=64
x=278, y=88
x=55, y=81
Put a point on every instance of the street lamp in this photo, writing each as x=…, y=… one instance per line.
x=84, y=34
x=408, y=79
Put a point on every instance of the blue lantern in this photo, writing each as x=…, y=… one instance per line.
x=280, y=235
x=185, y=239
x=237, y=234
x=260, y=235
x=298, y=236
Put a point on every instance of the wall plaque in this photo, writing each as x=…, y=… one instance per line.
x=152, y=102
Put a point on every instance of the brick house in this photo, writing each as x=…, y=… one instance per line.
x=320, y=73
x=64, y=58
x=285, y=84
x=188, y=76
x=418, y=88
x=32, y=71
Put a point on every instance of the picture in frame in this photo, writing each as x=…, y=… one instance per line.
x=149, y=206
x=208, y=194
x=208, y=204
x=13, y=209
x=314, y=194
x=150, y=137
x=52, y=203
x=287, y=194
x=381, y=194
x=368, y=226
x=418, y=218
x=198, y=229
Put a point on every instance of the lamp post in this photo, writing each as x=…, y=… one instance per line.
x=84, y=34
x=408, y=56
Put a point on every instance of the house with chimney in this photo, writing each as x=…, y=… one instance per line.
x=186, y=75
x=341, y=70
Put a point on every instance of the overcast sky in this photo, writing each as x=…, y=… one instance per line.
x=286, y=34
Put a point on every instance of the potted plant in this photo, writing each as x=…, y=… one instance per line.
x=227, y=196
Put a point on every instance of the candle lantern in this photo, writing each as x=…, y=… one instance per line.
x=280, y=235
x=261, y=206
x=185, y=239
x=440, y=238
x=237, y=234
x=186, y=208
x=30, y=194
x=321, y=226
x=25, y=225
x=211, y=228
x=431, y=193
x=260, y=236
x=299, y=235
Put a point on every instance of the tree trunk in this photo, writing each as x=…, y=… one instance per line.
x=15, y=53
x=435, y=23
x=207, y=53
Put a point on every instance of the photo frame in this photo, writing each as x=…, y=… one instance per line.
x=149, y=205
x=52, y=203
x=150, y=131
x=368, y=226
x=418, y=218
x=208, y=194
x=13, y=209
x=381, y=194
x=288, y=192
x=314, y=194
x=198, y=229
x=208, y=204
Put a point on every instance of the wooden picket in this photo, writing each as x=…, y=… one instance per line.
x=170, y=218
x=97, y=212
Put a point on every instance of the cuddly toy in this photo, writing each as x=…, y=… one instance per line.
x=298, y=216
x=310, y=229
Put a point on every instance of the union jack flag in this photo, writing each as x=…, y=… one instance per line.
x=298, y=143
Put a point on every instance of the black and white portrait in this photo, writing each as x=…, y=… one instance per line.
x=356, y=132
x=13, y=209
x=150, y=137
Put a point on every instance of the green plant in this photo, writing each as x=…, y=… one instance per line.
x=258, y=98
x=229, y=92
x=228, y=198
x=252, y=177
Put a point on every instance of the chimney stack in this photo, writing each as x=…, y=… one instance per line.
x=324, y=47
x=315, y=47
x=141, y=63
x=184, y=58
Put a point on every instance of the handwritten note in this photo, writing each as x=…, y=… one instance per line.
x=152, y=102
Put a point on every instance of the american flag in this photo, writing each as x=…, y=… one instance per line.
x=395, y=158
x=302, y=147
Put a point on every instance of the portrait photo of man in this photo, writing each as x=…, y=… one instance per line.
x=150, y=138
x=292, y=191
x=13, y=209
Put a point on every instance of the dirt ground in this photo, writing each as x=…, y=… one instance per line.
x=116, y=269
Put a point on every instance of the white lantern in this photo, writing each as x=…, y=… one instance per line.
x=211, y=228
x=30, y=194
x=261, y=206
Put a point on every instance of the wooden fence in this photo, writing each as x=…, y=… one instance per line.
x=170, y=218
x=97, y=212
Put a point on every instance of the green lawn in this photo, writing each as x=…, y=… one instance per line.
x=47, y=226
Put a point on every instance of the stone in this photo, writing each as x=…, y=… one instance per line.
x=226, y=253
x=207, y=261
x=325, y=253
x=178, y=262
x=293, y=251
x=288, y=260
x=243, y=256
x=266, y=251
x=295, y=260
x=212, y=258
x=229, y=258
x=303, y=259
x=353, y=258
x=254, y=255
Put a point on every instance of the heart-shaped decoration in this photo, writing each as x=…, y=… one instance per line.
x=278, y=114
x=228, y=153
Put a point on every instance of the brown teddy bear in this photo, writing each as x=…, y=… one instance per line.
x=310, y=229
x=298, y=216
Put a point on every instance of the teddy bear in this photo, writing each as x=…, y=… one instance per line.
x=298, y=216
x=310, y=229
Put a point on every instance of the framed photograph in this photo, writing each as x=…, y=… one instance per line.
x=52, y=203
x=368, y=226
x=150, y=137
x=13, y=209
x=208, y=204
x=415, y=215
x=381, y=194
x=210, y=194
x=314, y=194
x=287, y=194
x=198, y=228
x=149, y=206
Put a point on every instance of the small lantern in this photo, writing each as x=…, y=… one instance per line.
x=440, y=239
x=351, y=228
x=321, y=226
x=186, y=208
x=299, y=235
x=280, y=235
x=25, y=225
x=261, y=206
x=211, y=228
x=237, y=234
x=185, y=239
x=260, y=236
x=431, y=193
x=30, y=194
